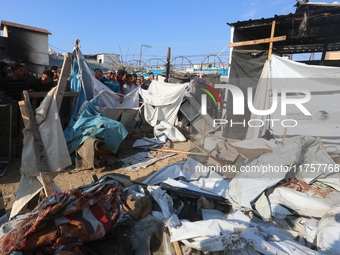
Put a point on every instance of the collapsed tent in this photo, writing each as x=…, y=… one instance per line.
x=98, y=108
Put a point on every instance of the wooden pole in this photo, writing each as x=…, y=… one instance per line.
x=168, y=65
x=321, y=143
x=284, y=135
x=271, y=43
x=40, y=152
x=204, y=129
x=65, y=71
x=184, y=152
x=75, y=52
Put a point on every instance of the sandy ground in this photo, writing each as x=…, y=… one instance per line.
x=73, y=178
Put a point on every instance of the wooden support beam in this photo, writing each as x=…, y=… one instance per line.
x=204, y=130
x=259, y=41
x=65, y=71
x=24, y=113
x=284, y=135
x=271, y=43
x=40, y=152
x=184, y=152
x=321, y=143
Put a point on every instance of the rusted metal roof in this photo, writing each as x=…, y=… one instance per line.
x=12, y=24
x=312, y=28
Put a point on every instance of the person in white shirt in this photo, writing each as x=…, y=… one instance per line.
x=128, y=86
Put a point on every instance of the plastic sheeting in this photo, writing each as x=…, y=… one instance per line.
x=92, y=123
x=260, y=102
x=164, y=131
x=103, y=100
x=302, y=203
x=140, y=160
x=52, y=136
x=162, y=102
x=294, y=152
x=328, y=233
x=323, y=84
x=245, y=70
x=236, y=232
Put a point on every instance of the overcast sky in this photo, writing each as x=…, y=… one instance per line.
x=188, y=27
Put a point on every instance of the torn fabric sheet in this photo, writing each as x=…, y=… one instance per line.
x=293, y=153
x=254, y=148
x=28, y=188
x=237, y=234
x=52, y=136
x=147, y=142
x=190, y=170
x=65, y=221
x=107, y=101
x=162, y=102
x=328, y=232
x=188, y=189
x=302, y=203
x=164, y=131
x=205, y=228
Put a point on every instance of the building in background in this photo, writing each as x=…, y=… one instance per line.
x=22, y=43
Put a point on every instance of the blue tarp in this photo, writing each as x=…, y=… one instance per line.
x=92, y=123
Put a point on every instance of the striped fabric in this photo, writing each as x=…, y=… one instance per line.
x=65, y=222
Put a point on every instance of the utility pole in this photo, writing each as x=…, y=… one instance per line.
x=168, y=65
x=140, y=55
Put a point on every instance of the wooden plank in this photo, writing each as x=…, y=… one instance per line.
x=43, y=94
x=167, y=75
x=24, y=113
x=39, y=149
x=284, y=135
x=204, y=130
x=198, y=147
x=271, y=43
x=2, y=205
x=65, y=72
x=259, y=41
x=184, y=152
x=321, y=143
x=178, y=250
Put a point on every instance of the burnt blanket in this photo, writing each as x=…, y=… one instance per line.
x=65, y=221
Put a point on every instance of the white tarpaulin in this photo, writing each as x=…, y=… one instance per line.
x=162, y=101
x=323, y=84
x=52, y=135
x=260, y=102
x=164, y=131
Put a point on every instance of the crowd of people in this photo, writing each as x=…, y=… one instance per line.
x=122, y=82
x=16, y=78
